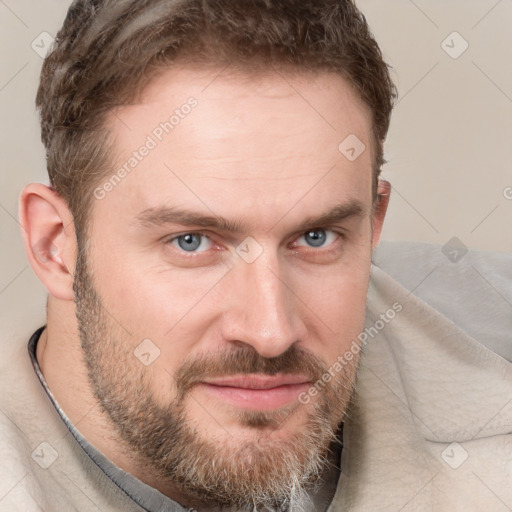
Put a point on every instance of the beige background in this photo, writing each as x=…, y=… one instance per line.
x=449, y=150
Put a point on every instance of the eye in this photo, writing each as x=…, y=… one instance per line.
x=191, y=242
x=317, y=238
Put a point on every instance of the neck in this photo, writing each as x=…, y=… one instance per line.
x=59, y=355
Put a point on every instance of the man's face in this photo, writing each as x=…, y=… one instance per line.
x=226, y=272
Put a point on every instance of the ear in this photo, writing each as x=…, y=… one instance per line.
x=49, y=236
x=380, y=209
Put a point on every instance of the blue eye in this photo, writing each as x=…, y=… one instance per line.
x=318, y=238
x=192, y=242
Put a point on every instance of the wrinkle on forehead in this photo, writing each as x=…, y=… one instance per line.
x=263, y=143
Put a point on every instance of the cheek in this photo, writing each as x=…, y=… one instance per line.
x=336, y=305
x=151, y=295
x=340, y=302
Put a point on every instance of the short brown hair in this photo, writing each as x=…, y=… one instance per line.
x=108, y=50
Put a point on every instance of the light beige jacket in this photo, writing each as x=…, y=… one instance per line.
x=431, y=425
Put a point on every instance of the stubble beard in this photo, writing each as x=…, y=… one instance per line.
x=264, y=472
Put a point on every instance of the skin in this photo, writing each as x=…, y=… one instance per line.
x=261, y=152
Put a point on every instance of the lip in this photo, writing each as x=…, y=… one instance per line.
x=256, y=392
x=255, y=381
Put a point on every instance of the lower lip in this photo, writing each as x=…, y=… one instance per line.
x=257, y=399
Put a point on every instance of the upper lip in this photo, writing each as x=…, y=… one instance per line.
x=255, y=381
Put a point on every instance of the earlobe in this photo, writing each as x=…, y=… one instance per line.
x=380, y=209
x=49, y=237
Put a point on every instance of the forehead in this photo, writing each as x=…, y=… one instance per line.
x=235, y=143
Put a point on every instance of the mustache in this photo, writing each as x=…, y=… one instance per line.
x=246, y=360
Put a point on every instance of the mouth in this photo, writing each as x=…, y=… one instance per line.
x=256, y=392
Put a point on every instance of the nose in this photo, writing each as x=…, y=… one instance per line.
x=263, y=311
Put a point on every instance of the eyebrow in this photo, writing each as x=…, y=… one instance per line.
x=160, y=216
x=338, y=213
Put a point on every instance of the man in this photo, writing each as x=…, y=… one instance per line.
x=206, y=243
